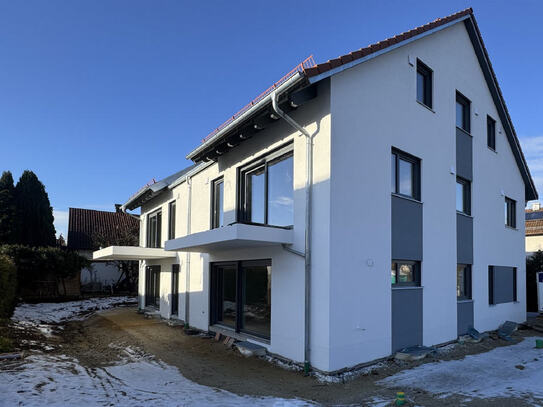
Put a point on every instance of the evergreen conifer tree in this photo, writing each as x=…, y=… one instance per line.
x=8, y=231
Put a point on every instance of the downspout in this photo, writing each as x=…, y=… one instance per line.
x=187, y=261
x=307, y=252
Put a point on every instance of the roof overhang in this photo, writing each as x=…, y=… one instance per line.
x=131, y=253
x=236, y=236
x=252, y=120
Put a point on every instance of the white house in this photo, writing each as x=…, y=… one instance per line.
x=355, y=208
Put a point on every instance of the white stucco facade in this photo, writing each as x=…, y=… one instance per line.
x=358, y=116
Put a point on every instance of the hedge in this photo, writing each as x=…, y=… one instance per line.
x=8, y=286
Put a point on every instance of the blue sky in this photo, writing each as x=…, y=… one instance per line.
x=99, y=97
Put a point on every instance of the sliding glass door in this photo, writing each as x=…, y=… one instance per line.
x=241, y=296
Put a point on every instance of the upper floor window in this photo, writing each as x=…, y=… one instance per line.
x=217, y=199
x=405, y=272
x=462, y=112
x=510, y=212
x=154, y=229
x=463, y=196
x=491, y=132
x=405, y=174
x=424, y=84
x=267, y=190
x=171, y=220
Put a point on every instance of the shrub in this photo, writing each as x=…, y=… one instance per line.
x=8, y=286
x=6, y=344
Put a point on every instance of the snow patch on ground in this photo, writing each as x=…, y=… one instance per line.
x=47, y=380
x=509, y=371
x=51, y=313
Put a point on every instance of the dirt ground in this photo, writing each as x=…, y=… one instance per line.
x=98, y=341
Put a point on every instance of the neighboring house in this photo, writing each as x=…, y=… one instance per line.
x=86, y=227
x=353, y=209
x=534, y=229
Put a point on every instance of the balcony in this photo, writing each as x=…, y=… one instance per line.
x=236, y=236
x=131, y=253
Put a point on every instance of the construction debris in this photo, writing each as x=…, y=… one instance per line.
x=250, y=349
x=11, y=356
x=413, y=353
x=506, y=330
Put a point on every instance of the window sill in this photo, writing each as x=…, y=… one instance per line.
x=463, y=300
x=492, y=149
x=464, y=131
x=464, y=214
x=408, y=198
x=407, y=287
x=240, y=336
x=426, y=106
x=511, y=228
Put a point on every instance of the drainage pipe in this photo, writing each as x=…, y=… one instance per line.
x=187, y=261
x=307, y=252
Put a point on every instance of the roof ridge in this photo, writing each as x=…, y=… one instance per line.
x=377, y=46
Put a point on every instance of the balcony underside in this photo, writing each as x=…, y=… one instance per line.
x=131, y=253
x=231, y=237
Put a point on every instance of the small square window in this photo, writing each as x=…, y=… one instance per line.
x=405, y=273
x=491, y=132
x=462, y=112
x=463, y=196
x=405, y=175
x=424, y=84
x=510, y=212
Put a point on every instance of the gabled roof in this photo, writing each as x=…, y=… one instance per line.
x=84, y=224
x=150, y=191
x=334, y=66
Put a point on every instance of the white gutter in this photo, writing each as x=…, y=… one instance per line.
x=293, y=80
x=307, y=253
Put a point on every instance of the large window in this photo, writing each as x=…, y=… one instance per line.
x=171, y=220
x=424, y=84
x=241, y=296
x=463, y=196
x=217, y=204
x=491, y=132
x=405, y=174
x=462, y=112
x=154, y=229
x=267, y=191
x=463, y=281
x=405, y=273
x=510, y=212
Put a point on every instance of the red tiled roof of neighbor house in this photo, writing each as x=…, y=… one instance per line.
x=370, y=49
x=534, y=226
x=83, y=224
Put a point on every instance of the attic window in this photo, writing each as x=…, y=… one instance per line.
x=424, y=84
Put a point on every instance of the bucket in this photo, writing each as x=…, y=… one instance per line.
x=539, y=343
x=400, y=398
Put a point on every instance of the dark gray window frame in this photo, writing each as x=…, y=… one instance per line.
x=466, y=192
x=491, y=285
x=491, y=133
x=171, y=219
x=467, y=282
x=416, y=175
x=427, y=84
x=215, y=210
x=215, y=301
x=244, y=207
x=466, y=112
x=156, y=241
x=416, y=273
x=510, y=213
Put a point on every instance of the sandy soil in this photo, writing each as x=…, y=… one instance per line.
x=100, y=339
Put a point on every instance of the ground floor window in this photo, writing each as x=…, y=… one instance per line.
x=463, y=281
x=405, y=273
x=241, y=296
x=152, y=286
